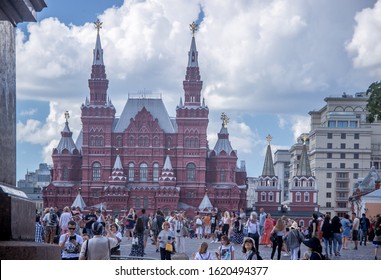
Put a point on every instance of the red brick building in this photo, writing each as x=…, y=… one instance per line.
x=145, y=158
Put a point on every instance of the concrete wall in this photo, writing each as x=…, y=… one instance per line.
x=7, y=104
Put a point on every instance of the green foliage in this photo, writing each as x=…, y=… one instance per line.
x=374, y=102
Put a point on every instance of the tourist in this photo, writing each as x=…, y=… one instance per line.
x=166, y=239
x=337, y=229
x=346, y=223
x=355, y=230
x=293, y=240
x=203, y=253
x=181, y=232
x=98, y=247
x=70, y=243
x=262, y=218
x=226, y=223
x=314, y=249
x=115, y=230
x=268, y=227
x=253, y=229
x=39, y=231
x=278, y=231
x=137, y=248
x=64, y=219
x=327, y=234
x=226, y=250
x=364, y=229
x=377, y=236
x=130, y=223
x=50, y=221
x=249, y=250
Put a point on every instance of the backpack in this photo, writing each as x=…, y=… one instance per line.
x=155, y=226
x=52, y=219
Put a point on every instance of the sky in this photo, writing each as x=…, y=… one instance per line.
x=265, y=64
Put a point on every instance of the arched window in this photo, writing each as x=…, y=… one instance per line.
x=96, y=171
x=298, y=197
x=145, y=202
x=191, y=172
x=143, y=172
x=271, y=196
x=131, y=141
x=119, y=141
x=222, y=175
x=306, y=197
x=156, y=142
x=131, y=172
x=263, y=196
x=65, y=173
x=155, y=172
x=137, y=202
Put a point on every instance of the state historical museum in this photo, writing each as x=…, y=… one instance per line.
x=145, y=158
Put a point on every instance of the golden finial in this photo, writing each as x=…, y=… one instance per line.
x=305, y=137
x=67, y=116
x=225, y=119
x=98, y=24
x=269, y=138
x=193, y=27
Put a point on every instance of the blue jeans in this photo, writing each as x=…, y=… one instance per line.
x=363, y=235
x=337, y=242
x=328, y=242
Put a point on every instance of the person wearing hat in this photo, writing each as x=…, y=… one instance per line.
x=293, y=240
x=314, y=249
x=98, y=247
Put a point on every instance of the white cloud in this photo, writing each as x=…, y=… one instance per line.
x=30, y=112
x=256, y=57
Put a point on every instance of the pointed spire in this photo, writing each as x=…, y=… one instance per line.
x=304, y=168
x=192, y=84
x=98, y=51
x=167, y=164
x=181, y=102
x=66, y=142
x=205, y=203
x=223, y=142
x=167, y=173
x=98, y=82
x=268, y=166
x=117, y=171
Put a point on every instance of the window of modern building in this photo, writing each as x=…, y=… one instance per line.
x=329, y=185
x=329, y=175
x=329, y=145
x=331, y=124
x=356, y=156
x=342, y=146
x=342, y=165
x=355, y=166
x=355, y=175
x=191, y=172
x=155, y=172
x=131, y=172
x=328, y=195
x=143, y=172
x=342, y=175
x=329, y=155
x=342, y=155
x=353, y=124
x=342, y=124
x=96, y=171
x=328, y=204
x=329, y=164
x=329, y=136
x=343, y=136
x=357, y=136
x=356, y=146
x=342, y=205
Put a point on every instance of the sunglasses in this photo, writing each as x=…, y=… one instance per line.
x=71, y=228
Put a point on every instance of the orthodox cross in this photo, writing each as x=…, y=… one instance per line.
x=269, y=138
x=67, y=116
x=225, y=119
x=98, y=25
x=193, y=27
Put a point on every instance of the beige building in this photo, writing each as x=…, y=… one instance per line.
x=342, y=148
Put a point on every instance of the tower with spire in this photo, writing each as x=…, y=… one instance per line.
x=268, y=192
x=98, y=116
x=303, y=188
x=192, y=119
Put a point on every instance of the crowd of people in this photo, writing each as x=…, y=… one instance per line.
x=97, y=235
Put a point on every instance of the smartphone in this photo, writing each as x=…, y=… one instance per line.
x=72, y=238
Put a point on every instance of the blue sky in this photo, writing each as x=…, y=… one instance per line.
x=266, y=64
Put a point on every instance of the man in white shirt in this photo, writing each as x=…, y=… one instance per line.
x=355, y=230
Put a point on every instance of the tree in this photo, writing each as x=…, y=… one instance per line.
x=374, y=101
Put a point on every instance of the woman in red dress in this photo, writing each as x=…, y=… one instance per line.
x=268, y=226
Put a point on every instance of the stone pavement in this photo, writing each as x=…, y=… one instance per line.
x=192, y=245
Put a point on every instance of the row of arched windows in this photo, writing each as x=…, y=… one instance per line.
x=143, y=172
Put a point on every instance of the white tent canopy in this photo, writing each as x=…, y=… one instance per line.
x=205, y=204
x=79, y=202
